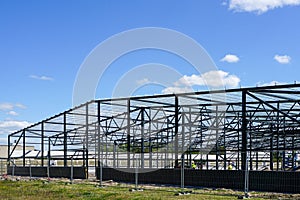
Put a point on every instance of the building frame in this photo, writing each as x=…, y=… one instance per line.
x=258, y=126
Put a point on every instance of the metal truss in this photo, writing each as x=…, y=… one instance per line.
x=211, y=128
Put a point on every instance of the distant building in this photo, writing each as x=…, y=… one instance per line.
x=3, y=155
x=4, y=148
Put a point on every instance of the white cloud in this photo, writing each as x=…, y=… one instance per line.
x=260, y=6
x=175, y=90
x=19, y=105
x=11, y=106
x=13, y=113
x=230, y=58
x=212, y=78
x=6, y=106
x=215, y=79
x=9, y=126
x=283, y=59
x=143, y=81
x=43, y=78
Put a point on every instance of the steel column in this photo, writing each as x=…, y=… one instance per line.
x=65, y=140
x=217, y=137
x=87, y=139
x=244, y=130
x=98, y=132
x=8, y=151
x=24, y=146
x=142, y=136
x=271, y=149
x=42, y=143
x=128, y=133
x=176, y=129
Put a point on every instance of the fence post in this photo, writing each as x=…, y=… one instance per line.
x=71, y=177
x=30, y=174
x=13, y=169
x=182, y=172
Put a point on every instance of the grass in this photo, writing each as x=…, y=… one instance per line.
x=39, y=189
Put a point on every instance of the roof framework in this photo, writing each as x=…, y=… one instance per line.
x=228, y=124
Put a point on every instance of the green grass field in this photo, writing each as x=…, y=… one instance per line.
x=39, y=189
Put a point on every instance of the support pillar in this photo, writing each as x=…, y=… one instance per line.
x=271, y=147
x=87, y=139
x=8, y=150
x=217, y=137
x=42, y=144
x=176, y=130
x=142, y=136
x=128, y=133
x=24, y=146
x=244, y=131
x=65, y=141
x=98, y=132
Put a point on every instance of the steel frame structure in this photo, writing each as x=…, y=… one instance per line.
x=210, y=127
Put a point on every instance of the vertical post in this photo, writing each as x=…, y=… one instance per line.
x=71, y=175
x=277, y=138
x=42, y=144
x=244, y=130
x=293, y=152
x=101, y=162
x=201, y=144
x=244, y=144
x=95, y=149
x=30, y=174
x=224, y=140
x=271, y=147
x=176, y=130
x=48, y=157
x=182, y=136
x=87, y=139
x=284, y=146
x=182, y=172
x=190, y=134
x=99, y=143
x=136, y=172
x=238, y=146
x=142, y=136
x=114, y=155
x=150, y=142
x=8, y=150
x=246, y=189
x=13, y=169
x=217, y=137
x=256, y=160
x=128, y=133
x=24, y=145
x=65, y=140
x=250, y=146
x=207, y=160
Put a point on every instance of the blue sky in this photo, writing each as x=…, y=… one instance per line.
x=44, y=43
